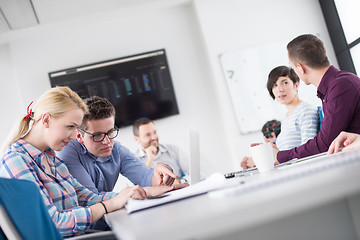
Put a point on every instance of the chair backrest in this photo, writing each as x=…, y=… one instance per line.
x=27, y=216
x=8, y=230
x=321, y=116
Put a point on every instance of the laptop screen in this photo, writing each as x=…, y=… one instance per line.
x=194, y=163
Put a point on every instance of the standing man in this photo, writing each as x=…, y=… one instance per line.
x=152, y=153
x=338, y=90
x=96, y=160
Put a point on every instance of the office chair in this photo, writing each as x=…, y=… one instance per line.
x=321, y=116
x=23, y=214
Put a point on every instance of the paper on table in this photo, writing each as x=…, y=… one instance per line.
x=215, y=181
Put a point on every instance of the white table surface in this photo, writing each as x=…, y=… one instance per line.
x=263, y=199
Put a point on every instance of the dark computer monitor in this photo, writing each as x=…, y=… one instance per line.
x=138, y=86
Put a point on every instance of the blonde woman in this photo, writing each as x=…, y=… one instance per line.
x=29, y=155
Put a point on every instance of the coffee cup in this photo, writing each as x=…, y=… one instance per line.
x=263, y=156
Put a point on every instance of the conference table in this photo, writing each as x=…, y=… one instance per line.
x=312, y=198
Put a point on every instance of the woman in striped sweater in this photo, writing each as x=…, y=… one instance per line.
x=302, y=119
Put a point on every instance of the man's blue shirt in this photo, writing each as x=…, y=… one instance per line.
x=100, y=174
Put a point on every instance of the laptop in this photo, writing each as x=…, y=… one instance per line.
x=240, y=173
x=253, y=169
x=194, y=160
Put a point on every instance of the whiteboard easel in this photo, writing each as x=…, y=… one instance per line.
x=246, y=73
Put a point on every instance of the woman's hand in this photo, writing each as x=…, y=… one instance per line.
x=158, y=190
x=138, y=193
x=247, y=162
x=119, y=201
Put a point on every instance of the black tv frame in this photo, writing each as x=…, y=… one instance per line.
x=138, y=85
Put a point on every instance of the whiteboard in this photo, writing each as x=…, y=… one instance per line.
x=246, y=73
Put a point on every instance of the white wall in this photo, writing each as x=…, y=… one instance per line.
x=193, y=34
x=10, y=97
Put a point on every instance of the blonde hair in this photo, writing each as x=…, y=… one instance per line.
x=55, y=101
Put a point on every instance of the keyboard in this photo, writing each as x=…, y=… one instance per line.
x=254, y=169
x=241, y=172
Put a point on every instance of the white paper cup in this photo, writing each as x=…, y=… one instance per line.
x=263, y=156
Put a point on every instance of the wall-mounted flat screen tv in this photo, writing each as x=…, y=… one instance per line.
x=138, y=86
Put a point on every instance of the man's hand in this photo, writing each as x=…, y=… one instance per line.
x=163, y=175
x=346, y=141
x=276, y=152
x=150, y=155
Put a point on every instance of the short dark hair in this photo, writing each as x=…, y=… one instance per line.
x=138, y=123
x=271, y=126
x=99, y=108
x=281, y=71
x=308, y=49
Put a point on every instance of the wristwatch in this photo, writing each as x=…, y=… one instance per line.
x=183, y=181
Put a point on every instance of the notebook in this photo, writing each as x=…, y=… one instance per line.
x=214, y=182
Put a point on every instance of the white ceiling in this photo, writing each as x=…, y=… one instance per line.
x=19, y=14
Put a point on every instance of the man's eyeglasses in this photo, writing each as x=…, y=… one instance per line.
x=99, y=137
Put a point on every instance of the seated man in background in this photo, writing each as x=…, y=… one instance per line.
x=96, y=160
x=152, y=153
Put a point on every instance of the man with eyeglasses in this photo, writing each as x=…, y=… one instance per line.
x=96, y=160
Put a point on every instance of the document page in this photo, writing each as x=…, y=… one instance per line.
x=215, y=181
